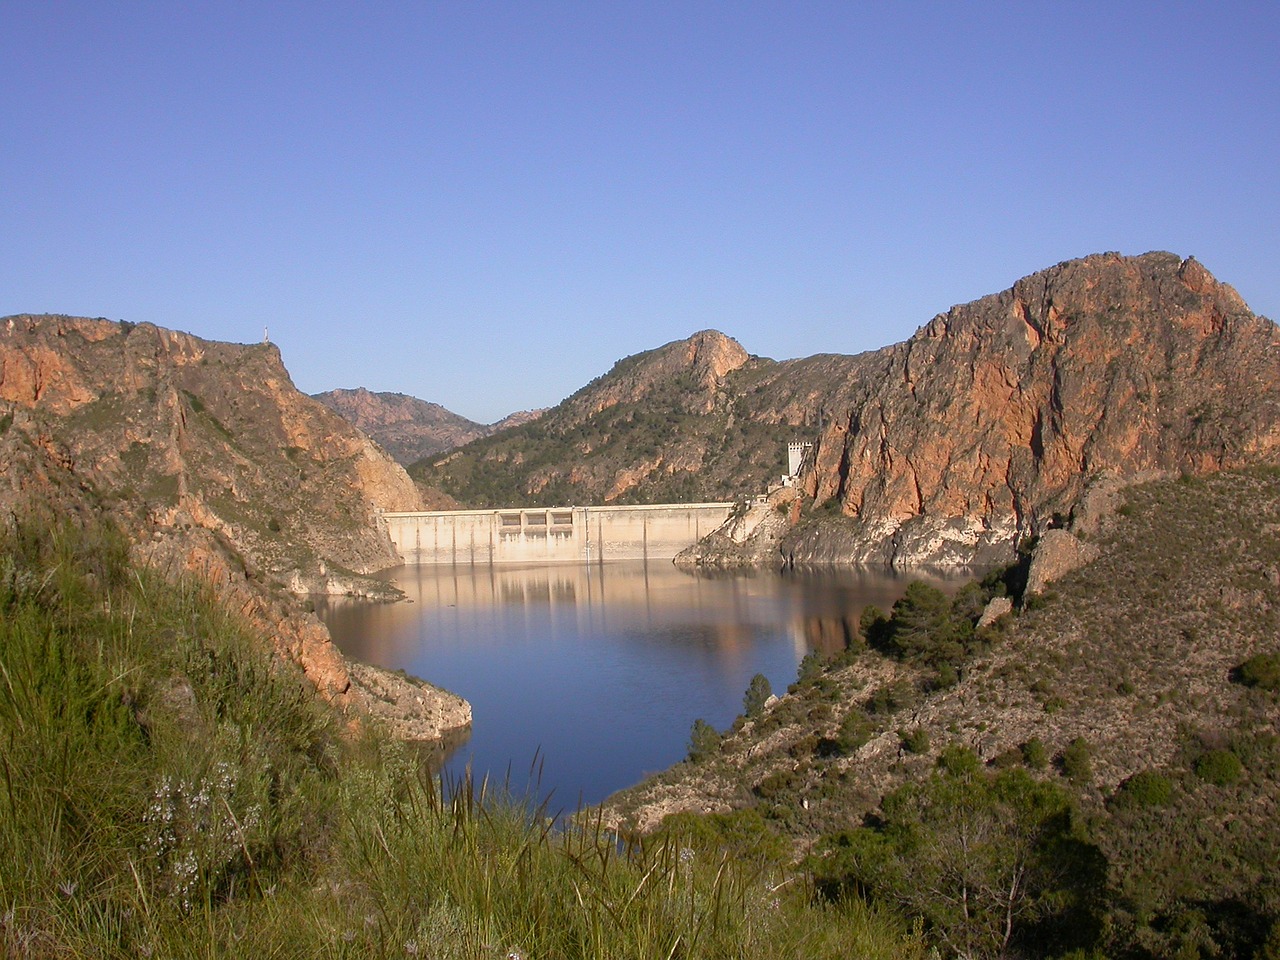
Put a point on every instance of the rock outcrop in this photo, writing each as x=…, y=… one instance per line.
x=213, y=463
x=703, y=361
x=1057, y=554
x=194, y=433
x=991, y=422
x=756, y=529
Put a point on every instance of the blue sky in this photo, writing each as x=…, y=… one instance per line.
x=486, y=204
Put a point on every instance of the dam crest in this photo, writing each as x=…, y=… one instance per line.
x=552, y=534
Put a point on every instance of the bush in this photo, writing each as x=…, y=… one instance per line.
x=1219, y=767
x=989, y=864
x=874, y=627
x=1077, y=760
x=891, y=697
x=855, y=730
x=1034, y=754
x=810, y=668
x=1144, y=789
x=1012, y=757
x=758, y=693
x=743, y=835
x=924, y=626
x=1262, y=671
x=915, y=741
x=704, y=740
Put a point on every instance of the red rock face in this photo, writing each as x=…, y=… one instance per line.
x=192, y=433
x=990, y=421
x=217, y=467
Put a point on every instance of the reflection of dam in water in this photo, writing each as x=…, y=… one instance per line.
x=813, y=610
x=601, y=669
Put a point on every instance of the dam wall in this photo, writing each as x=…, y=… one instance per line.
x=553, y=534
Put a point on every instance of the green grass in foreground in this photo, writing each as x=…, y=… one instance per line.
x=170, y=789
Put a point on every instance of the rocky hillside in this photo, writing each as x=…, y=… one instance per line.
x=988, y=425
x=209, y=458
x=671, y=424
x=411, y=429
x=1146, y=683
x=1133, y=650
x=983, y=428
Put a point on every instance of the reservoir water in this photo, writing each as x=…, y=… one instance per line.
x=597, y=672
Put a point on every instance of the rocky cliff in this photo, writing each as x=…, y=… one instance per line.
x=207, y=434
x=210, y=459
x=989, y=424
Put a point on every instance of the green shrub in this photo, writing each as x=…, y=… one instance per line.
x=855, y=730
x=1077, y=760
x=1034, y=754
x=1219, y=767
x=810, y=668
x=743, y=835
x=1011, y=757
x=1262, y=672
x=944, y=677
x=1146, y=788
x=704, y=741
x=874, y=626
x=780, y=783
x=758, y=693
x=915, y=740
x=805, y=746
x=925, y=626
x=981, y=861
x=891, y=697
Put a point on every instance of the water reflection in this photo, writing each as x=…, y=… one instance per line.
x=601, y=669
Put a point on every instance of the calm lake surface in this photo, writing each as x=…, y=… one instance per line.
x=597, y=672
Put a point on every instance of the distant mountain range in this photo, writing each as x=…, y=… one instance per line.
x=408, y=428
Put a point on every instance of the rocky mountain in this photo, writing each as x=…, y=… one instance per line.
x=989, y=423
x=985, y=427
x=408, y=428
x=210, y=459
x=672, y=424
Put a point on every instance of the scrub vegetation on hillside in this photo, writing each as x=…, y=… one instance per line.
x=677, y=440
x=1099, y=770
x=171, y=790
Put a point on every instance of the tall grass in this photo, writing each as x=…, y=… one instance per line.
x=170, y=789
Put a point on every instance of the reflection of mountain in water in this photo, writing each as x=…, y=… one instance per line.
x=817, y=610
x=601, y=669
x=830, y=635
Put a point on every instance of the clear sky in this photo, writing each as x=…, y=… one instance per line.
x=486, y=204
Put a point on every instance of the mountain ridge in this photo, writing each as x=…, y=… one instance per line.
x=983, y=428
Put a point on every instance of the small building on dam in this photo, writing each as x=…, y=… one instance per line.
x=553, y=534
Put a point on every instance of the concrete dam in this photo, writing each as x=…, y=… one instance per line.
x=553, y=534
